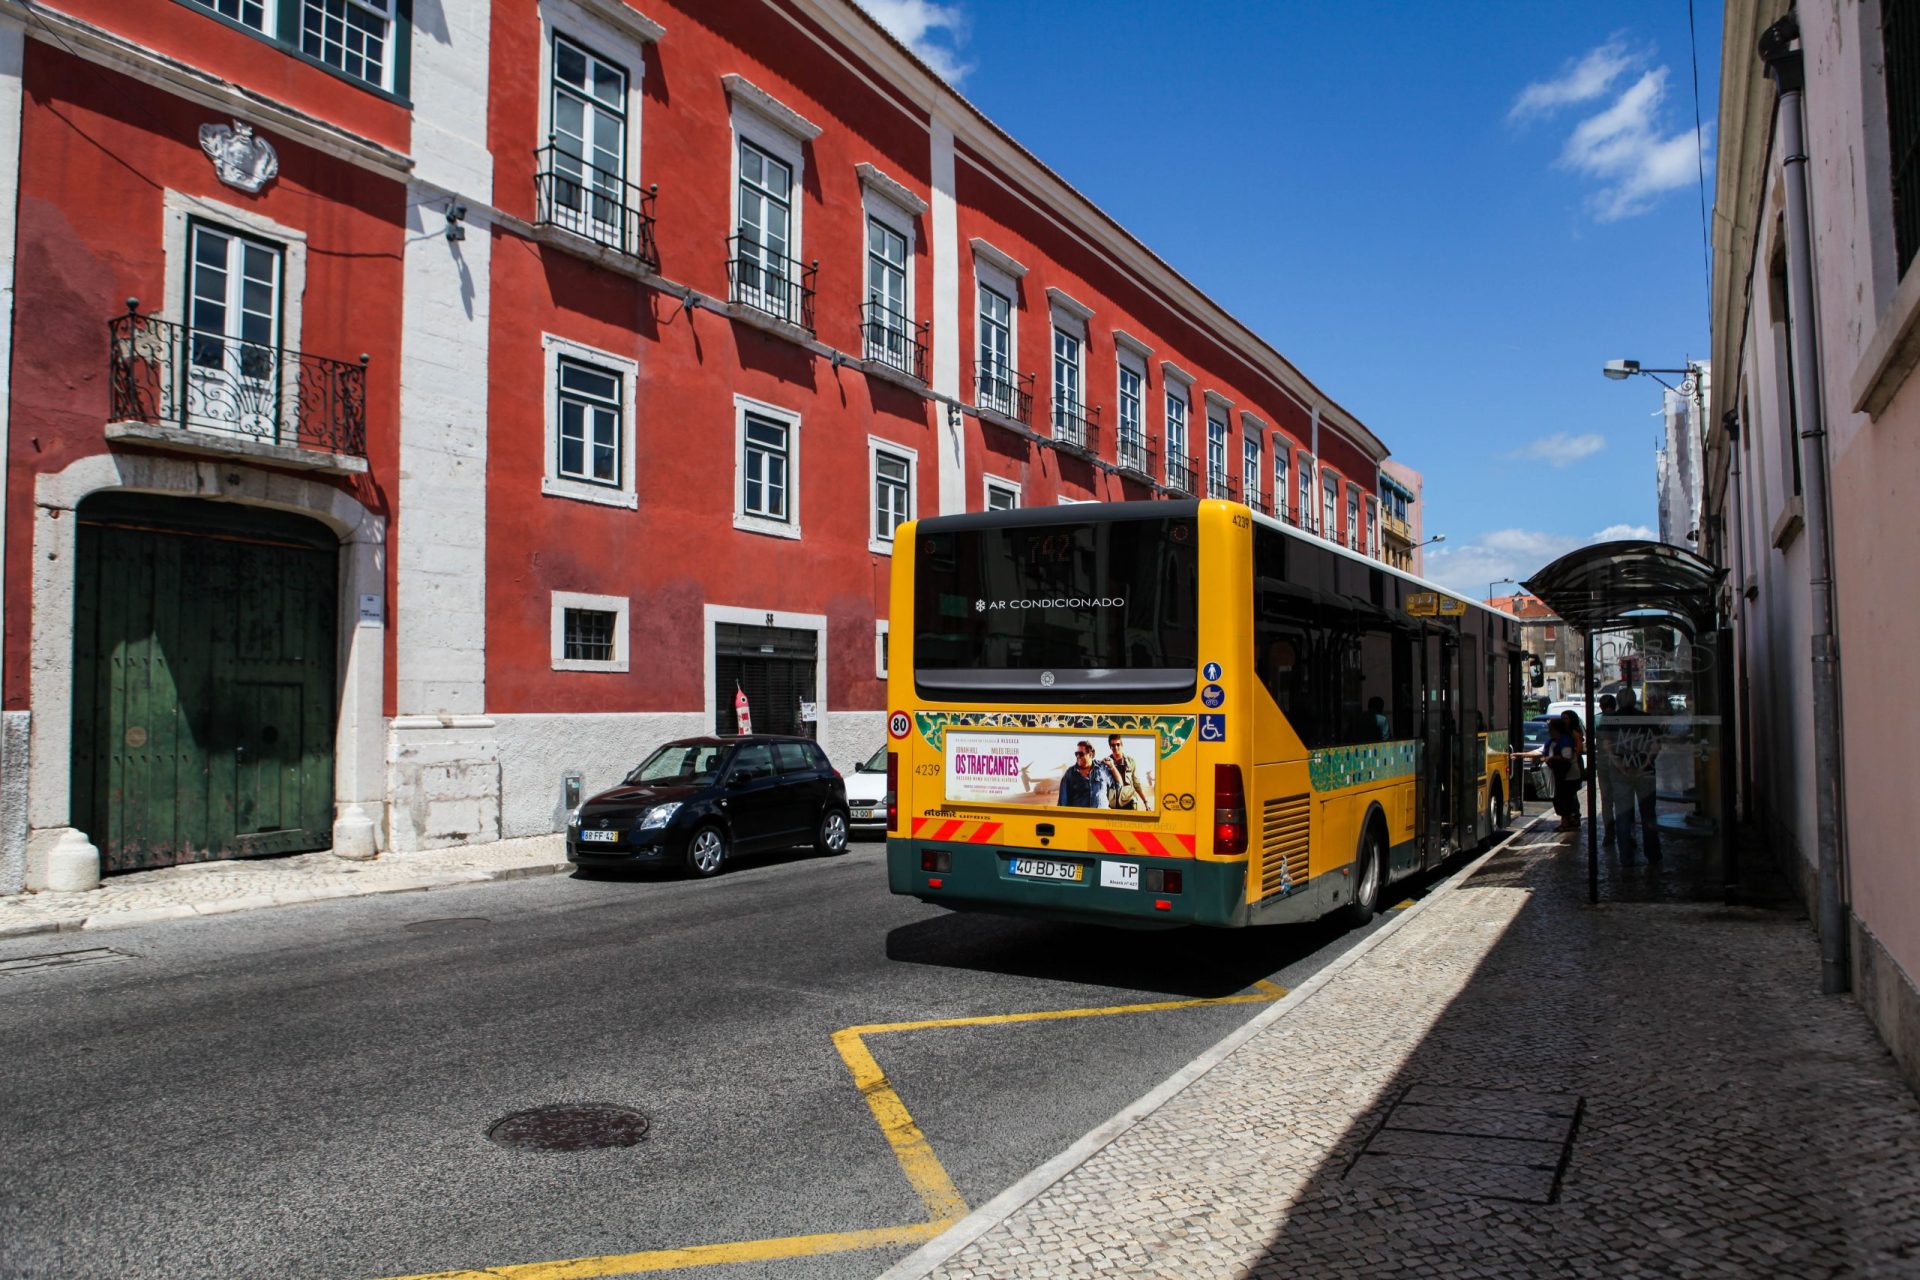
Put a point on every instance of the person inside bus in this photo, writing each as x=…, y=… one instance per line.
x=1377, y=717
x=1088, y=781
x=1129, y=792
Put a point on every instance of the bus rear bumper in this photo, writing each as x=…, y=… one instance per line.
x=980, y=878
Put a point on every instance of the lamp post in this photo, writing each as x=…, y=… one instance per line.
x=1497, y=581
x=1438, y=537
x=1693, y=387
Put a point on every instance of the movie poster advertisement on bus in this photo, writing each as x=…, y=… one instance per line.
x=1065, y=770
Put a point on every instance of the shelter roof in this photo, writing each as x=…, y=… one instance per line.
x=1621, y=583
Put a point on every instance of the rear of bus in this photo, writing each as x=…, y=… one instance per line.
x=1022, y=641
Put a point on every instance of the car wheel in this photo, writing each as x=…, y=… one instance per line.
x=832, y=836
x=706, y=852
x=1370, y=875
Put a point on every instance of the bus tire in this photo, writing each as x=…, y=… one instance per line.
x=1369, y=876
x=1497, y=808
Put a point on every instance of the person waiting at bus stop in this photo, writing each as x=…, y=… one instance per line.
x=1603, y=725
x=1564, y=750
x=1088, y=781
x=1629, y=748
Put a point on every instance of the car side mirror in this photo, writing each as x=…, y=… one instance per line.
x=738, y=780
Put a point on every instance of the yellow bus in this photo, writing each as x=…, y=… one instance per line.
x=1165, y=713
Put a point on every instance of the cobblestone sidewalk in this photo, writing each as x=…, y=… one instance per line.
x=1511, y=1084
x=213, y=888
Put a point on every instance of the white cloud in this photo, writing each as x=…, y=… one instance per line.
x=1580, y=80
x=1468, y=568
x=1560, y=449
x=1624, y=147
x=915, y=22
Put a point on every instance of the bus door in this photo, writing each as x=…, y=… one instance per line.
x=1472, y=759
x=1437, y=782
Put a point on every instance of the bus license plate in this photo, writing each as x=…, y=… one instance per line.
x=601, y=837
x=1044, y=869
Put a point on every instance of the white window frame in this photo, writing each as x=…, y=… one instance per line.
x=1219, y=413
x=1282, y=476
x=994, y=270
x=790, y=527
x=1373, y=527
x=881, y=641
x=619, y=606
x=1077, y=335
x=876, y=446
x=989, y=483
x=1178, y=385
x=782, y=133
x=1307, y=514
x=382, y=9
x=897, y=209
x=1253, y=455
x=1329, y=505
x=1353, y=516
x=1128, y=360
x=553, y=348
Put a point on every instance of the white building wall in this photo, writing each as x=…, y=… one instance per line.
x=443, y=762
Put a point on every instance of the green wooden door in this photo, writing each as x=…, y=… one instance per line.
x=204, y=697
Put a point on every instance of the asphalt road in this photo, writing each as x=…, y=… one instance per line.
x=307, y=1092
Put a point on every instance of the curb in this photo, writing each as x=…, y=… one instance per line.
x=287, y=898
x=923, y=1261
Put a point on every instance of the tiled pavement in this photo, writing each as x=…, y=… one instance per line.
x=213, y=888
x=1512, y=1083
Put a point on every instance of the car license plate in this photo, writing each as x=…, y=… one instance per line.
x=863, y=813
x=1044, y=869
x=600, y=837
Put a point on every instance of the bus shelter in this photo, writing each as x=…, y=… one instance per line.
x=1657, y=647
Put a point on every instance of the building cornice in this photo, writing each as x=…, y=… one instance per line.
x=1746, y=139
x=746, y=93
x=1064, y=301
x=887, y=189
x=1171, y=372
x=999, y=261
x=1078, y=214
x=1126, y=341
x=619, y=15
x=104, y=49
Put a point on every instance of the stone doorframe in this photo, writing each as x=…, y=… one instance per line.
x=359, y=735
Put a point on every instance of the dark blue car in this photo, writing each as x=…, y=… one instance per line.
x=696, y=802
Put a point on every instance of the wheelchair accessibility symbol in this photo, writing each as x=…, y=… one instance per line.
x=1213, y=728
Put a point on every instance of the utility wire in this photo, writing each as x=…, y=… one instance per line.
x=1700, y=166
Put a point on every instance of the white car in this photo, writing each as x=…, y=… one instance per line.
x=867, y=794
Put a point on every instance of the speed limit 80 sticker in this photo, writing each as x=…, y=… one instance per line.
x=899, y=725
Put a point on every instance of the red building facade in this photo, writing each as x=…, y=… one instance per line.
x=670, y=315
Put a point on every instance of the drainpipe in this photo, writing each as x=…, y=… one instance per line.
x=1786, y=66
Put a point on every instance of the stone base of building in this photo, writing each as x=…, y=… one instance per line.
x=1888, y=994
x=15, y=737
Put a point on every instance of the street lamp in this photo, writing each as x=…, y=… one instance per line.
x=1621, y=370
x=1497, y=581
x=1438, y=537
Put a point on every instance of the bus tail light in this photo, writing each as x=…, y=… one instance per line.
x=936, y=860
x=1229, y=810
x=1161, y=881
x=893, y=790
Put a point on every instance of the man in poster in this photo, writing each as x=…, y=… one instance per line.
x=1129, y=790
x=1088, y=781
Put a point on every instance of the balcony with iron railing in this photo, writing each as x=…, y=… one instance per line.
x=893, y=340
x=1135, y=454
x=595, y=204
x=214, y=393
x=1007, y=393
x=1392, y=526
x=1221, y=484
x=771, y=284
x=1076, y=427
x=1251, y=495
x=1180, y=473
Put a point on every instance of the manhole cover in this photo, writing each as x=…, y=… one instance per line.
x=447, y=922
x=571, y=1126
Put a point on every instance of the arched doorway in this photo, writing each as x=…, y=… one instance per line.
x=204, y=683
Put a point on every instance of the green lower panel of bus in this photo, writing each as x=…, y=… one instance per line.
x=1056, y=885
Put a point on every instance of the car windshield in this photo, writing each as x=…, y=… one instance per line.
x=1534, y=731
x=877, y=763
x=688, y=764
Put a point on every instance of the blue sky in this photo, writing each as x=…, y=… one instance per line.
x=1449, y=216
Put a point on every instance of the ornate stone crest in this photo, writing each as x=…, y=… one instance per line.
x=240, y=157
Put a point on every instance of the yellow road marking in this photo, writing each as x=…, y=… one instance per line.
x=923, y=1170
x=699, y=1255
x=1402, y=906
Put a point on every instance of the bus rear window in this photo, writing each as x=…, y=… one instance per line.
x=1059, y=611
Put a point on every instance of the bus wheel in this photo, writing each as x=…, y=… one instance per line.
x=1497, y=809
x=1369, y=877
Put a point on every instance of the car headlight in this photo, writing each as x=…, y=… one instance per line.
x=659, y=815
x=573, y=816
